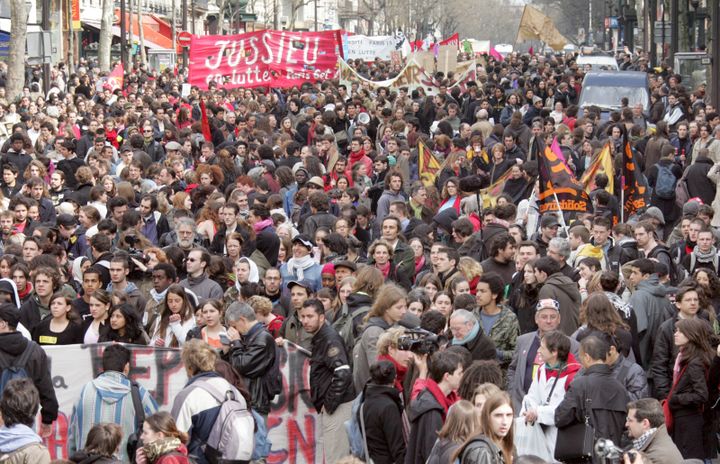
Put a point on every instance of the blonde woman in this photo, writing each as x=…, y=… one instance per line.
x=462, y=422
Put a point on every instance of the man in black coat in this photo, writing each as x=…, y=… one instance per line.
x=596, y=394
x=382, y=412
x=696, y=176
x=331, y=384
x=252, y=353
x=13, y=346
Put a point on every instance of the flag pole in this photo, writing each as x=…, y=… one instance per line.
x=622, y=199
x=562, y=216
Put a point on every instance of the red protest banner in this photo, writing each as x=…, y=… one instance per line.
x=264, y=58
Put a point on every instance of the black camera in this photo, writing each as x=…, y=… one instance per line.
x=419, y=341
x=606, y=449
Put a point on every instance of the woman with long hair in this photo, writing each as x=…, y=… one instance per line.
x=97, y=326
x=380, y=255
x=125, y=327
x=63, y=328
x=710, y=283
x=389, y=307
x=462, y=422
x=597, y=314
x=162, y=442
x=689, y=392
x=450, y=196
x=455, y=165
x=525, y=299
x=176, y=319
x=495, y=444
x=431, y=284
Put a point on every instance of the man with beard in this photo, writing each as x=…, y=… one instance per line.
x=58, y=191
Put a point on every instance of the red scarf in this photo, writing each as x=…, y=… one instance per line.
x=384, y=268
x=473, y=285
x=399, y=368
x=419, y=263
x=445, y=401
x=25, y=291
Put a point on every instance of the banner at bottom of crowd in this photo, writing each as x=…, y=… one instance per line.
x=264, y=58
x=412, y=76
x=293, y=424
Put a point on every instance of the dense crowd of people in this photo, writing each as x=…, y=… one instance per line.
x=445, y=327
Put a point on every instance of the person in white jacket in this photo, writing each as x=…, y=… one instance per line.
x=550, y=382
x=176, y=320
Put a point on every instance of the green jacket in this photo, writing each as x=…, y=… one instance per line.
x=504, y=333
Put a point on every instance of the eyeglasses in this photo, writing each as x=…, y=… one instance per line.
x=191, y=260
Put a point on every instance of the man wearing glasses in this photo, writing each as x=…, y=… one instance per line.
x=152, y=147
x=526, y=359
x=197, y=279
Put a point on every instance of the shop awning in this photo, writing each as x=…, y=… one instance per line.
x=152, y=27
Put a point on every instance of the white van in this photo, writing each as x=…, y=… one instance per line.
x=597, y=63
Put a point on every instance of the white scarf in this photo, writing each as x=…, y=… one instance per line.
x=297, y=266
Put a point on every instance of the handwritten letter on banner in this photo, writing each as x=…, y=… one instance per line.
x=266, y=58
x=293, y=423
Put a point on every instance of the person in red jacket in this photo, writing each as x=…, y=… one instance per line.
x=163, y=443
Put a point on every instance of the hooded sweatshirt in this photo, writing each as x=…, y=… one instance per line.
x=562, y=288
x=107, y=398
x=24, y=443
x=652, y=308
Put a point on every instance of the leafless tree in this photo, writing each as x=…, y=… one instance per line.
x=18, y=35
x=105, y=45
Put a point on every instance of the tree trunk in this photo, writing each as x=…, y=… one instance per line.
x=16, y=58
x=105, y=45
x=141, y=34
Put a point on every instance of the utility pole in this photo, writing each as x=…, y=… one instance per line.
x=46, y=44
x=141, y=34
x=316, y=15
x=123, y=35
x=71, y=40
x=714, y=7
x=651, y=16
x=674, y=19
x=185, y=28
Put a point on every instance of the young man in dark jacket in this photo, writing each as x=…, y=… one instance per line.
x=12, y=347
x=382, y=412
x=429, y=409
x=330, y=380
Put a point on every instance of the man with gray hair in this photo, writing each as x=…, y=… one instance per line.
x=559, y=250
x=185, y=231
x=252, y=353
x=466, y=331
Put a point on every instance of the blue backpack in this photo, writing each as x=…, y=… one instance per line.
x=665, y=184
x=355, y=428
x=261, y=450
x=16, y=370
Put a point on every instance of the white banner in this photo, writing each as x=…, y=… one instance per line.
x=293, y=423
x=368, y=48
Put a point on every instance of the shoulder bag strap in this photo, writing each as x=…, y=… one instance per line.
x=137, y=405
x=547, y=401
x=362, y=428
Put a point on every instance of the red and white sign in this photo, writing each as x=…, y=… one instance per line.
x=184, y=38
x=264, y=58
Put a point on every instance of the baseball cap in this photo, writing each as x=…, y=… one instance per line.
x=547, y=303
x=346, y=264
x=10, y=314
x=305, y=240
x=302, y=283
x=66, y=220
x=549, y=220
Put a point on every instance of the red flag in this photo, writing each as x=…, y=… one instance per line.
x=635, y=188
x=558, y=187
x=115, y=78
x=531, y=51
x=205, y=123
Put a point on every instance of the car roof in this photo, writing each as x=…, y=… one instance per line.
x=620, y=78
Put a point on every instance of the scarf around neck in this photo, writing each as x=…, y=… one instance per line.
x=440, y=397
x=705, y=257
x=260, y=225
x=470, y=336
x=158, y=297
x=298, y=266
x=384, y=268
x=154, y=450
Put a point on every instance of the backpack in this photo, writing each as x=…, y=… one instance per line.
x=134, y=438
x=261, y=450
x=230, y=434
x=665, y=184
x=344, y=325
x=676, y=275
x=355, y=428
x=16, y=370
